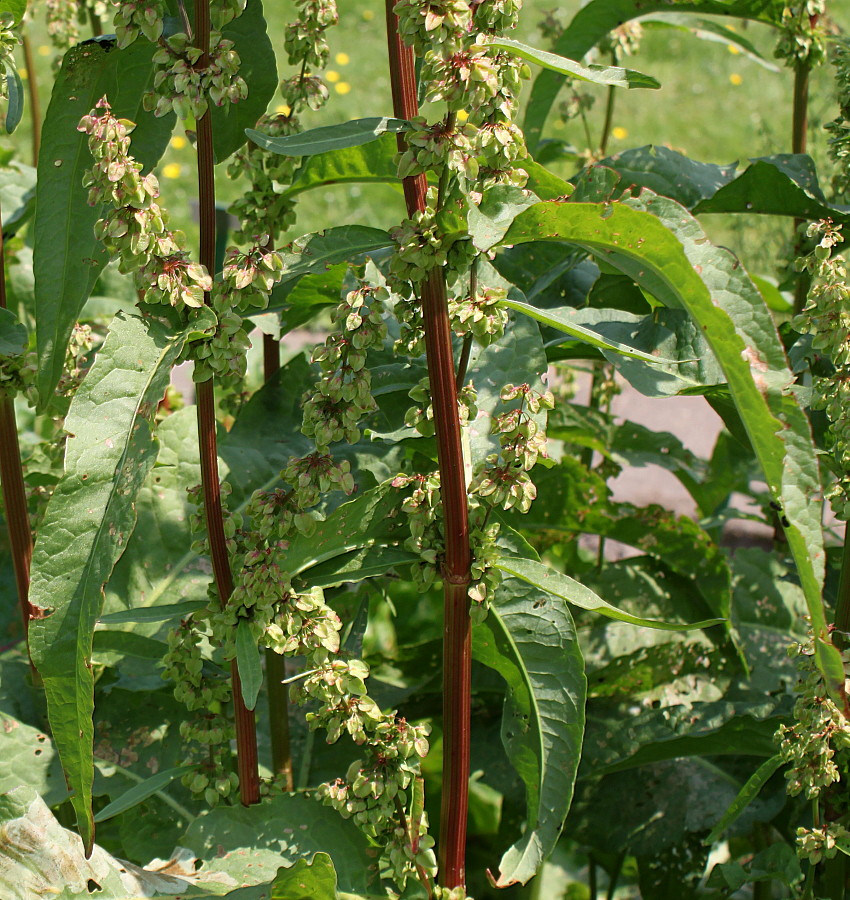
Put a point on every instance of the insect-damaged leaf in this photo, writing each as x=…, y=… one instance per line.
x=86, y=526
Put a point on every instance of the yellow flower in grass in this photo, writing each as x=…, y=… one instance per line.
x=342, y=59
x=736, y=79
x=178, y=142
x=343, y=87
x=44, y=50
x=332, y=76
x=368, y=15
x=172, y=170
x=619, y=133
x=733, y=49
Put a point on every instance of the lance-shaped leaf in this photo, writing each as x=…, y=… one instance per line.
x=749, y=791
x=140, y=792
x=529, y=638
x=86, y=526
x=568, y=589
x=370, y=520
x=593, y=22
x=561, y=319
x=15, y=94
x=372, y=162
x=249, y=664
x=317, y=252
x=610, y=75
x=782, y=185
x=66, y=255
x=656, y=242
x=329, y=137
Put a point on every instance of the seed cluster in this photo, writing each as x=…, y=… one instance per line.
x=135, y=229
x=265, y=207
x=826, y=316
x=815, y=749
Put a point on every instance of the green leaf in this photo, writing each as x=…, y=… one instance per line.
x=141, y=792
x=491, y=218
x=358, y=565
x=313, y=880
x=67, y=257
x=39, y=858
x=593, y=22
x=249, y=663
x=258, y=68
x=112, y=645
x=547, y=185
x=369, y=520
x=317, y=252
x=745, y=797
x=560, y=319
x=372, y=162
x=17, y=196
x=669, y=173
x=558, y=585
x=165, y=613
x=13, y=335
x=88, y=521
x=16, y=8
x=15, y=92
x=329, y=137
x=611, y=75
x=671, y=258
x=782, y=185
x=28, y=757
x=529, y=638
x=251, y=843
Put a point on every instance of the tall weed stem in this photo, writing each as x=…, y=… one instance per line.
x=246, y=733
x=457, y=652
x=12, y=480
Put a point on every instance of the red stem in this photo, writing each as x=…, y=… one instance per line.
x=457, y=652
x=246, y=733
x=12, y=479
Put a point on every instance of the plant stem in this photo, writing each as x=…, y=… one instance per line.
x=96, y=24
x=277, y=693
x=246, y=734
x=799, y=133
x=591, y=877
x=609, y=112
x=457, y=650
x=12, y=480
x=32, y=94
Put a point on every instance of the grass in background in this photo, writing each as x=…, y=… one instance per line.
x=714, y=105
